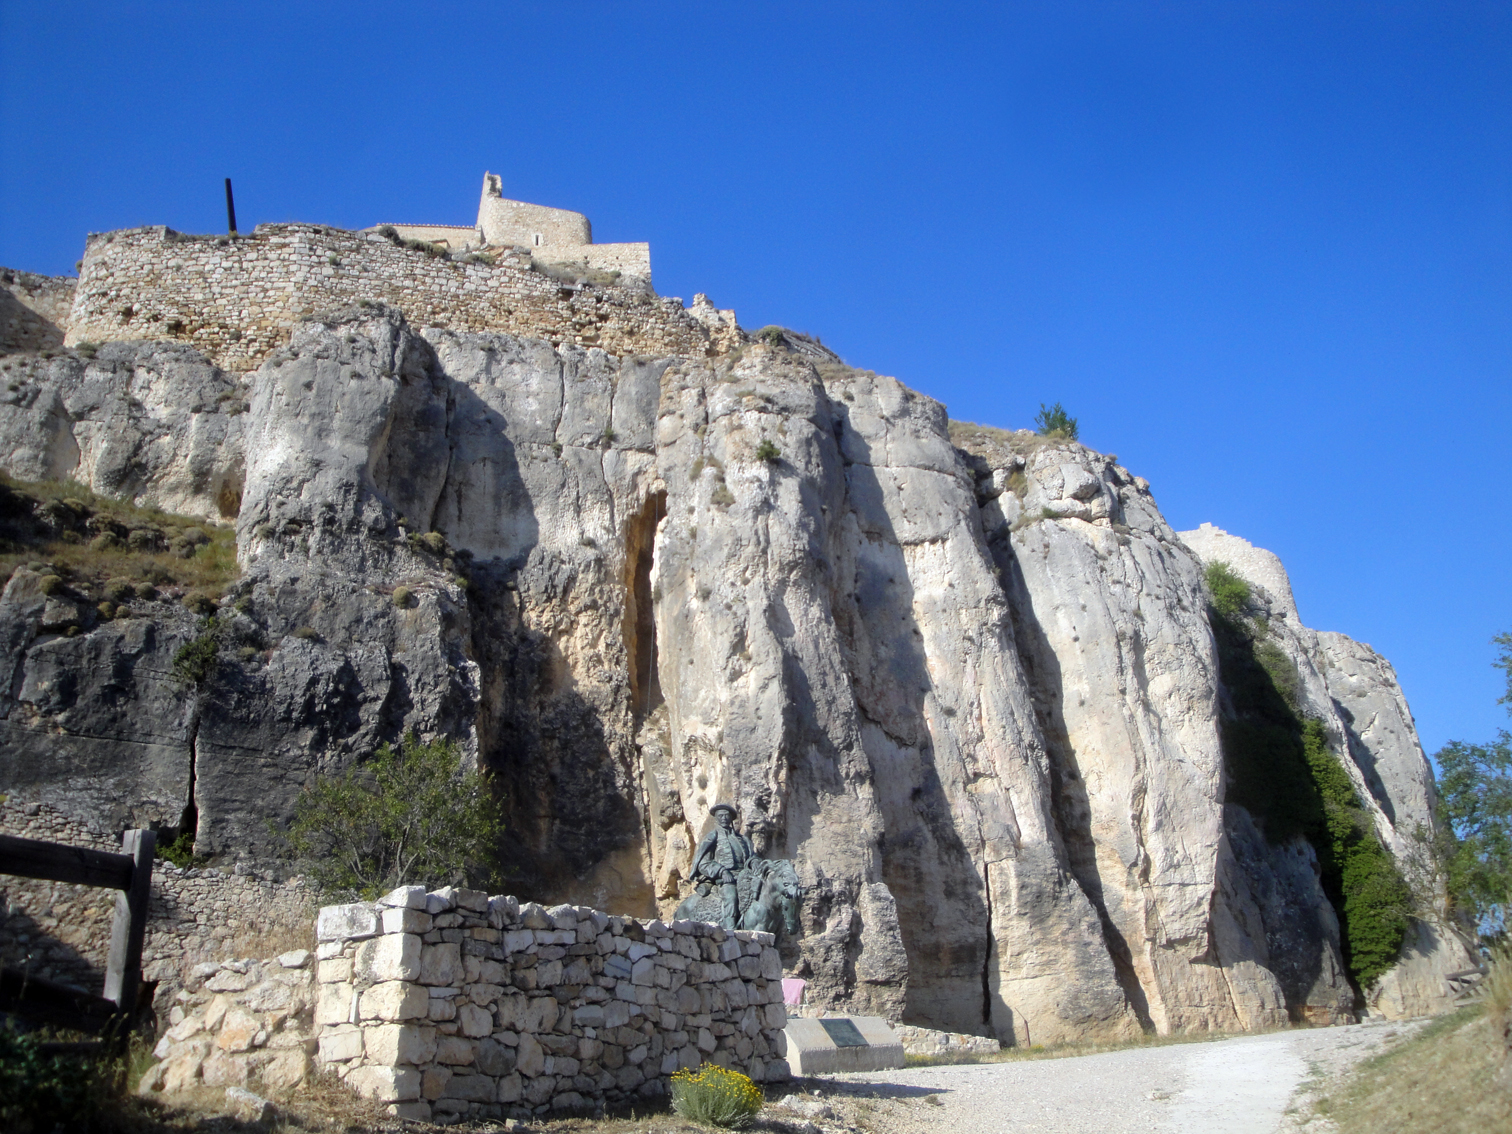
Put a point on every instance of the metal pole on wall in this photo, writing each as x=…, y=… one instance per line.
x=230, y=209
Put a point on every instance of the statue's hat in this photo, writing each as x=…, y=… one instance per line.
x=718, y=807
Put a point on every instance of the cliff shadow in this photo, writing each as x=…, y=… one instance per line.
x=1069, y=803
x=936, y=879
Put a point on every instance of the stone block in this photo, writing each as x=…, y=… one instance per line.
x=386, y=1084
x=336, y=969
x=475, y=900
x=239, y=1032
x=529, y=1058
x=441, y=901
x=433, y=1082
x=588, y=1016
x=405, y=897
x=404, y=920
x=540, y=1089
x=394, y=1000
x=346, y=923
x=771, y=964
x=333, y=1003
x=812, y=1051
x=533, y=915
x=411, y=1111
x=494, y=1058
x=471, y=1088
x=441, y=964
x=474, y=1021
x=776, y=1017
x=294, y=959
x=223, y=1070
x=455, y=1051
x=503, y=910
x=391, y=1044
x=341, y=1044
x=510, y=1088
x=394, y=956
x=287, y=1070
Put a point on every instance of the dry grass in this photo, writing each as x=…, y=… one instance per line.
x=86, y=567
x=1438, y=1082
x=326, y=1105
x=1451, y=1078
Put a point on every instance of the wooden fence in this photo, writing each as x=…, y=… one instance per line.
x=130, y=873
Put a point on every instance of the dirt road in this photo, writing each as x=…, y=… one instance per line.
x=1242, y=1085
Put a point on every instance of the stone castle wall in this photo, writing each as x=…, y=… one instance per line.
x=452, y=1004
x=33, y=310
x=236, y=298
x=195, y=916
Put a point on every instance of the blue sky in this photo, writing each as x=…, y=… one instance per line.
x=1261, y=250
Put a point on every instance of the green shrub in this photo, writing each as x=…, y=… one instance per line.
x=307, y=633
x=195, y=661
x=1282, y=771
x=772, y=336
x=1055, y=422
x=120, y=589
x=199, y=603
x=180, y=851
x=412, y=814
x=768, y=452
x=716, y=1096
x=1228, y=594
x=402, y=596
x=41, y=1092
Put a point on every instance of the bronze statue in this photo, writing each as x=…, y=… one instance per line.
x=721, y=855
x=754, y=893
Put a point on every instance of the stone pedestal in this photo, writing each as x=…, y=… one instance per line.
x=842, y=1043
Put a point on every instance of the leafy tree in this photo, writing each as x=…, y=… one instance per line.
x=1228, y=593
x=1055, y=422
x=1475, y=817
x=410, y=815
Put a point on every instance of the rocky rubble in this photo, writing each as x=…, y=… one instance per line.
x=237, y=1023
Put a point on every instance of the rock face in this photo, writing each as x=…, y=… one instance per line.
x=1354, y=692
x=965, y=682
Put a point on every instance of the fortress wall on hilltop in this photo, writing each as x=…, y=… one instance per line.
x=235, y=298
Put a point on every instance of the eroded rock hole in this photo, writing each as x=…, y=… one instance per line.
x=640, y=614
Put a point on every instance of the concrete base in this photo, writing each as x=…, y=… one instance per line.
x=811, y=1051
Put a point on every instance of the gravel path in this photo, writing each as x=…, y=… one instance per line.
x=1241, y=1085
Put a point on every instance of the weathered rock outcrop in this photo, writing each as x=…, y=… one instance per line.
x=1354, y=692
x=971, y=692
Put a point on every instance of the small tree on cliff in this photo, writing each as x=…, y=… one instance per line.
x=409, y=815
x=1054, y=421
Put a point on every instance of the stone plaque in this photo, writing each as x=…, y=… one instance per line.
x=843, y=1032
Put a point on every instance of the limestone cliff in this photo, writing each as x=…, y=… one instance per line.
x=966, y=682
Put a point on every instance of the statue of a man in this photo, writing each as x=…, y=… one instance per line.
x=720, y=856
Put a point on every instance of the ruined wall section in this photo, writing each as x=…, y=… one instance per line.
x=33, y=310
x=195, y=916
x=236, y=298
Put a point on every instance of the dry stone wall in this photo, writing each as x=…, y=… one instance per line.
x=236, y=298
x=196, y=916
x=453, y=1004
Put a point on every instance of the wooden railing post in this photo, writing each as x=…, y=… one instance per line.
x=123, y=973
